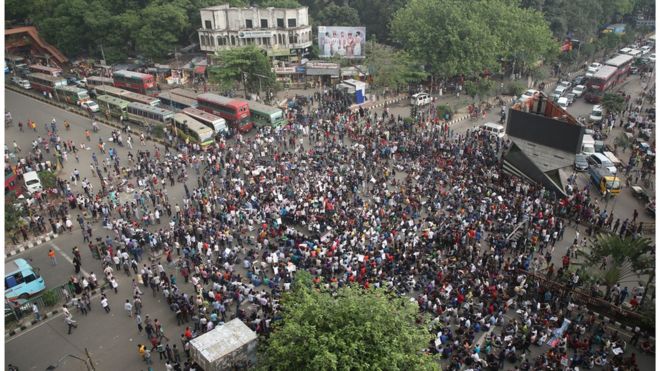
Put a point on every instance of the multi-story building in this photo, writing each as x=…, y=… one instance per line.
x=281, y=32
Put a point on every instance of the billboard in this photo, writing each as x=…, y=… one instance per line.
x=346, y=42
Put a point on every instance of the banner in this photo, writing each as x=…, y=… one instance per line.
x=346, y=42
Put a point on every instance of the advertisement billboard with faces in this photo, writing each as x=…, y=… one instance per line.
x=345, y=42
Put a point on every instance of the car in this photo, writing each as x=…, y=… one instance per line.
x=652, y=57
x=420, y=99
x=581, y=163
x=600, y=160
x=578, y=90
x=90, y=105
x=528, y=94
x=593, y=68
x=571, y=98
x=563, y=102
x=560, y=90
x=596, y=113
x=565, y=83
x=23, y=83
x=646, y=49
x=580, y=80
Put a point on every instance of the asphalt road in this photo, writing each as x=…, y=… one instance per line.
x=112, y=338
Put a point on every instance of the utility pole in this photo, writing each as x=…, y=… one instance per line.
x=103, y=54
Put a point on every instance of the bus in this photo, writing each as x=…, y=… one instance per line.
x=139, y=98
x=21, y=280
x=50, y=71
x=600, y=82
x=176, y=102
x=184, y=93
x=113, y=106
x=111, y=91
x=142, y=83
x=236, y=112
x=43, y=82
x=146, y=115
x=12, y=186
x=98, y=80
x=622, y=63
x=71, y=94
x=264, y=115
x=192, y=130
x=218, y=124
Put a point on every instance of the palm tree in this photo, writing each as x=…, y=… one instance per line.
x=613, y=102
x=628, y=259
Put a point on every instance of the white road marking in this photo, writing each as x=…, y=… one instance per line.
x=67, y=257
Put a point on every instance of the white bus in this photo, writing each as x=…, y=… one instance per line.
x=218, y=124
x=192, y=130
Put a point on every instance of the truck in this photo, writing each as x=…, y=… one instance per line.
x=588, y=145
x=605, y=182
x=227, y=347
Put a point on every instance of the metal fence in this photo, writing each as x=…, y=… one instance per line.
x=19, y=311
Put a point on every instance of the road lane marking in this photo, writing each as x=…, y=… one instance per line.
x=67, y=257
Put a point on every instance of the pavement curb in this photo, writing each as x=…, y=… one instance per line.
x=612, y=322
x=31, y=244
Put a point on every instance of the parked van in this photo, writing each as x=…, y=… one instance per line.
x=32, y=182
x=493, y=129
x=21, y=280
x=596, y=114
x=420, y=99
x=588, y=143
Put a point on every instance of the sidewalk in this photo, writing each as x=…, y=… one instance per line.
x=11, y=250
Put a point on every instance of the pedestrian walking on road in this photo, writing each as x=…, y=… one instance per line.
x=105, y=304
x=51, y=255
x=129, y=308
x=138, y=319
x=35, y=310
x=70, y=323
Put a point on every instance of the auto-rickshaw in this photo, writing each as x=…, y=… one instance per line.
x=640, y=193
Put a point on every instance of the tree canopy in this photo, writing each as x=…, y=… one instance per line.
x=335, y=15
x=391, y=68
x=354, y=329
x=248, y=64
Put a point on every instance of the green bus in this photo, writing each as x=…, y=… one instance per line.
x=113, y=106
x=192, y=130
x=264, y=115
x=147, y=116
x=71, y=94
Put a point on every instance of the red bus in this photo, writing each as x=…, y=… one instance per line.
x=52, y=71
x=12, y=185
x=142, y=83
x=622, y=63
x=600, y=82
x=43, y=82
x=235, y=112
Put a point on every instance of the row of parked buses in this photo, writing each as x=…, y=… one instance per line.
x=130, y=96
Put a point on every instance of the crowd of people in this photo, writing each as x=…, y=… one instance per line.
x=353, y=198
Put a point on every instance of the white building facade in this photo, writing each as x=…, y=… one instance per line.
x=281, y=32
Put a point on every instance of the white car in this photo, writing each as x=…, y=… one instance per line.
x=560, y=90
x=578, y=90
x=563, y=103
x=652, y=57
x=90, y=105
x=593, y=68
x=596, y=113
x=420, y=99
x=528, y=94
x=645, y=49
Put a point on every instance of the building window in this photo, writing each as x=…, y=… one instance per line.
x=274, y=39
x=280, y=22
x=207, y=25
x=265, y=40
x=211, y=41
x=233, y=40
x=220, y=43
x=248, y=23
x=291, y=22
x=264, y=23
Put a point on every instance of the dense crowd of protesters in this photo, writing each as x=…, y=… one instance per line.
x=353, y=198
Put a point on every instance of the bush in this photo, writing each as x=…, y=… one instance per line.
x=50, y=298
x=408, y=120
x=514, y=88
x=445, y=112
x=158, y=131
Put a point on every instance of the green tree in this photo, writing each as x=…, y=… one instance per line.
x=479, y=88
x=613, y=102
x=279, y=4
x=160, y=31
x=335, y=15
x=248, y=65
x=448, y=36
x=376, y=15
x=628, y=259
x=355, y=329
x=390, y=68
